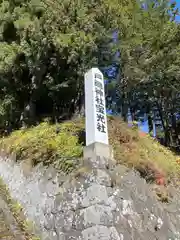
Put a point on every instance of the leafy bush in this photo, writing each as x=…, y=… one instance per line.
x=45, y=143
x=142, y=152
x=59, y=144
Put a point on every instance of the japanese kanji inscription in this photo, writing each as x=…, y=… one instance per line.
x=95, y=107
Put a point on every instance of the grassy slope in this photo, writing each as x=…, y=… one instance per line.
x=44, y=144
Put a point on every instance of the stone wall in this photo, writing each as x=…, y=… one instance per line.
x=100, y=201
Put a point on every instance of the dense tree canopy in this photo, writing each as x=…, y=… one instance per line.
x=149, y=71
x=46, y=47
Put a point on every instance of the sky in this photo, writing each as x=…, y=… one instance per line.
x=178, y=5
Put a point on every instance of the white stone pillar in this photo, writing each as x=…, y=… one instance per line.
x=95, y=112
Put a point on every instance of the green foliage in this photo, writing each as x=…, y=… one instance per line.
x=150, y=44
x=44, y=144
x=47, y=46
x=137, y=150
x=149, y=68
x=45, y=49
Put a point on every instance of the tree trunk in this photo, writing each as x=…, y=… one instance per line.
x=165, y=123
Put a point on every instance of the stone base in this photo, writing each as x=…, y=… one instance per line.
x=98, y=149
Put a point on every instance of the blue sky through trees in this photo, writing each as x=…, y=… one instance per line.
x=178, y=5
x=111, y=72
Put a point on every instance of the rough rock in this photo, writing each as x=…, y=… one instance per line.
x=103, y=202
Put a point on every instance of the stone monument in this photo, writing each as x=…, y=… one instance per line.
x=97, y=143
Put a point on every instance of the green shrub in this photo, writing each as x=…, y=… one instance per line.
x=44, y=144
x=47, y=145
